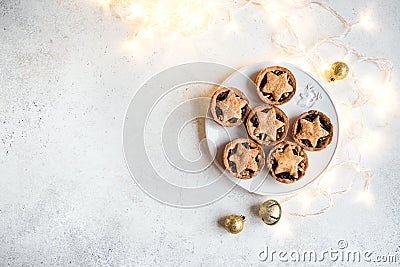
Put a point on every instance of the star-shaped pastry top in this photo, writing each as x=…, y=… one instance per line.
x=232, y=106
x=277, y=85
x=268, y=124
x=244, y=158
x=311, y=130
x=287, y=162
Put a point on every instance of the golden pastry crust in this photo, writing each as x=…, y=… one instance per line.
x=229, y=106
x=313, y=130
x=243, y=158
x=287, y=162
x=267, y=125
x=276, y=85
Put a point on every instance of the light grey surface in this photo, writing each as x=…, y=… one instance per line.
x=66, y=197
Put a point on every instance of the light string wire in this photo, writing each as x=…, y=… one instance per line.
x=297, y=50
x=192, y=17
x=361, y=99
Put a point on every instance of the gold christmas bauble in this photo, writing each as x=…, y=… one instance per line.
x=270, y=212
x=338, y=71
x=234, y=223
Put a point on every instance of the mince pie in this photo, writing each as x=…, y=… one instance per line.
x=276, y=85
x=267, y=125
x=229, y=106
x=313, y=130
x=244, y=158
x=287, y=162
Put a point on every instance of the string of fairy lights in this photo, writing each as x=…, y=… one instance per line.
x=192, y=17
x=362, y=97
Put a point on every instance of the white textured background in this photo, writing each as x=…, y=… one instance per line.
x=66, y=197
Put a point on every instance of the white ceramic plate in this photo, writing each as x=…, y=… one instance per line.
x=310, y=94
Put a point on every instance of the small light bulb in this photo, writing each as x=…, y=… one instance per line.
x=136, y=10
x=148, y=33
x=232, y=26
x=366, y=22
x=365, y=197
